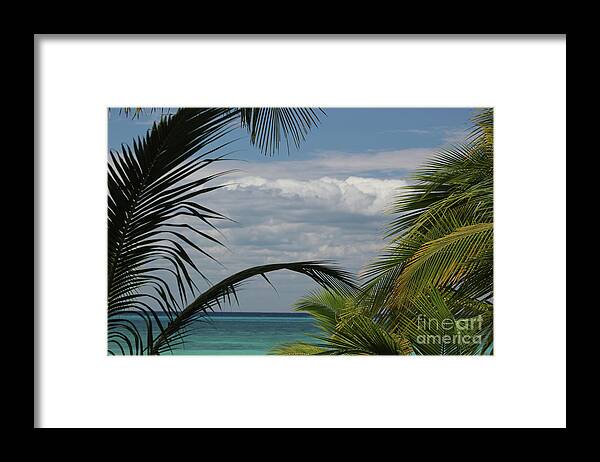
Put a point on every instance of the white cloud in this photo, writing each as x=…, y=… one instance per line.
x=333, y=164
x=326, y=206
x=365, y=196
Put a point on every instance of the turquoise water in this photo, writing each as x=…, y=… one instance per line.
x=246, y=333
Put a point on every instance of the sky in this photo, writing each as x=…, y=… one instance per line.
x=323, y=201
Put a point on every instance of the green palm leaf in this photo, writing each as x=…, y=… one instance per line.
x=447, y=261
x=442, y=234
x=438, y=324
x=440, y=255
x=347, y=329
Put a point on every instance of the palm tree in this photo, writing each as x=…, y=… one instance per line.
x=442, y=238
x=436, y=276
x=443, y=235
x=152, y=185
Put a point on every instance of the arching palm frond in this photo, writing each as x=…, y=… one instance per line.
x=334, y=280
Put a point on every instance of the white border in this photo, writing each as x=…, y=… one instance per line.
x=522, y=385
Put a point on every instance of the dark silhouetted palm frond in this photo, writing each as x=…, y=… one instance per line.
x=269, y=126
x=151, y=187
x=155, y=220
x=334, y=280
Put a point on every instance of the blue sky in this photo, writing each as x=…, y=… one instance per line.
x=323, y=201
x=343, y=129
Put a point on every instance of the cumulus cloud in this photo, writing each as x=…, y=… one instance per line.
x=292, y=219
x=326, y=206
x=366, y=196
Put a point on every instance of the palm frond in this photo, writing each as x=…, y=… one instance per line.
x=447, y=261
x=437, y=324
x=346, y=328
x=451, y=198
x=439, y=261
x=361, y=335
x=331, y=278
x=268, y=127
x=150, y=184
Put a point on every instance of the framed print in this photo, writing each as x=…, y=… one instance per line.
x=297, y=232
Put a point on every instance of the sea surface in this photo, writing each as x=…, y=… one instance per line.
x=226, y=333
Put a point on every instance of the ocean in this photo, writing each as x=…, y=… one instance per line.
x=230, y=333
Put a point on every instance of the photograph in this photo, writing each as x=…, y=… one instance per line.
x=300, y=231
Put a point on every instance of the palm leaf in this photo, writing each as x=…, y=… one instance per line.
x=347, y=329
x=153, y=184
x=437, y=324
x=150, y=184
x=445, y=262
x=329, y=277
x=452, y=195
x=268, y=127
x=439, y=260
